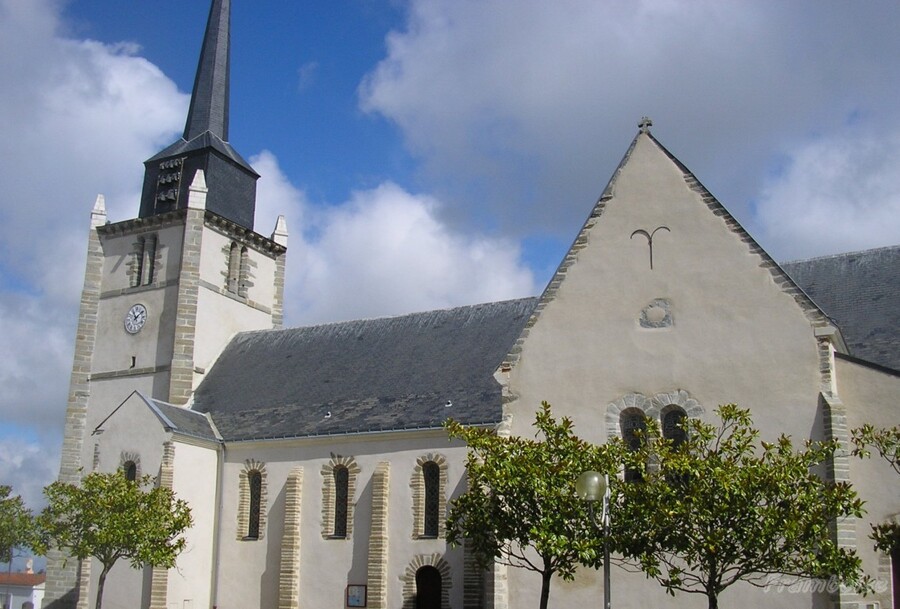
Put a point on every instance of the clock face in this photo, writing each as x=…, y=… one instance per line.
x=135, y=318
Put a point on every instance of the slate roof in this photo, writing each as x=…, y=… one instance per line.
x=210, y=98
x=860, y=291
x=359, y=376
x=400, y=373
x=204, y=141
x=183, y=421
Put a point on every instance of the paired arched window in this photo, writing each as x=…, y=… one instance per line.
x=341, y=500
x=254, y=479
x=633, y=427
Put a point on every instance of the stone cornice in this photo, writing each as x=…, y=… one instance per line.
x=243, y=235
x=139, y=225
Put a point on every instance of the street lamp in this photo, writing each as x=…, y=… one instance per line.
x=592, y=487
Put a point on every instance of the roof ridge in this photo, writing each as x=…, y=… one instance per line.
x=390, y=317
x=871, y=250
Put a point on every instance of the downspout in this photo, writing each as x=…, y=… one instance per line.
x=214, y=584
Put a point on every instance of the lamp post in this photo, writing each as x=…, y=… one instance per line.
x=592, y=487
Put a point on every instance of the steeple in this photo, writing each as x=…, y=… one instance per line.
x=204, y=146
x=209, y=101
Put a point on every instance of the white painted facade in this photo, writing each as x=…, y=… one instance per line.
x=713, y=321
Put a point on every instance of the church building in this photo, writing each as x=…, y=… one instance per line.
x=314, y=459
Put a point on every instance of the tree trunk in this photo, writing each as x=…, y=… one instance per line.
x=713, y=600
x=545, y=588
x=100, y=582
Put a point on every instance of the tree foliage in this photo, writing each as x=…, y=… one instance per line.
x=520, y=508
x=109, y=517
x=16, y=524
x=724, y=507
x=886, y=441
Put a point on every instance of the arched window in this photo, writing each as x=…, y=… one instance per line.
x=341, y=499
x=130, y=470
x=243, y=270
x=432, y=479
x=428, y=588
x=138, y=265
x=149, y=255
x=673, y=425
x=633, y=427
x=234, y=268
x=253, y=499
x=254, y=478
x=144, y=262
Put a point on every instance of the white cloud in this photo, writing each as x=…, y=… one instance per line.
x=77, y=117
x=383, y=252
x=81, y=118
x=835, y=195
x=28, y=466
x=532, y=108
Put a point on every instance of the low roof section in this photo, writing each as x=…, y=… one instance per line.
x=860, y=291
x=399, y=373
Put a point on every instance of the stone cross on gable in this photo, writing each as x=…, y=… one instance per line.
x=645, y=124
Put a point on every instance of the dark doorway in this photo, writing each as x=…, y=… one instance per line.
x=428, y=588
x=895, y=575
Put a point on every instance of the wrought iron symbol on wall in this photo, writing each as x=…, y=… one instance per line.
x=649, y=236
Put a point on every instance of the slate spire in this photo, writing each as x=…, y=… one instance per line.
x=209, y=101
x=230, y=180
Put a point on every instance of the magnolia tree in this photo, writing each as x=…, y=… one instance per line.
x=109, y=517
x=520, y=508
x=722, y=507
x=16, y=524
x=886, y=442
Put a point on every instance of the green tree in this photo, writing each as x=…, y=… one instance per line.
x=886, y=442
x=520, y=508
x=723, y=507
x=16, y=524
x=109, y=517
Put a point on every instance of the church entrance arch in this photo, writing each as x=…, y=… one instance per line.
x=428, y=588
x=426, y=583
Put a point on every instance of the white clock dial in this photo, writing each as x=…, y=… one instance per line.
x=135, y=318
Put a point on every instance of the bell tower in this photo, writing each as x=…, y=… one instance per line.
x=204, y=144
x=164, y=292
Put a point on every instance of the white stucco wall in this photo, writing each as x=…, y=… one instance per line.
x=736, y=337
x=225, y=314
x=248, y=570
x=195, y=478
x=872, y=396
x=133, y=430
x=118, y=249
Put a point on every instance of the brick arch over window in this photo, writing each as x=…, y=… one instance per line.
x=126, y=459
x=329, y=495
x=417, y=484
x=409, y=579
x=651, y=407
x=252, y=508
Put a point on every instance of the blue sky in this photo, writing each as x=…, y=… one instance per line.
x=427, y=153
